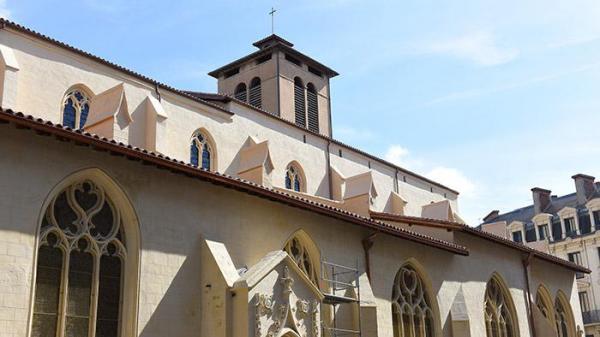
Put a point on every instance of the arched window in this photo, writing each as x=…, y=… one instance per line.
x=201, y=152
x=412, y=310
x=81, y=263
x=313, y=107
x=299, y=249
x=255, y=93
x=500, y=320
x=76, y=106
x=241, y=92
x=563, y=316
x=544, y=303
x=299, y=102
x=293, y=178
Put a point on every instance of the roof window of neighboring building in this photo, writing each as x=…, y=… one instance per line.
x=556, y=229
x=530, y=235
x=293, y=60
x=570, y=230
x=543, y=232
x=585, y=223
x=517, y=236
x=596, y=216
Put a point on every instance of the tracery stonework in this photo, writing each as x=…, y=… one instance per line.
x=413, y=315
x=298, y=252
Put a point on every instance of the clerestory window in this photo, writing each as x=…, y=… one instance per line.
x=76, y=107
x=201, y=152
x=293, y=179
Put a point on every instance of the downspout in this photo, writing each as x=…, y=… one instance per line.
x=157, y=91
x=278, y=79
x=367, y=245
x=396, y=182
x=329, y=107
x=526, y=263
x=328, y=162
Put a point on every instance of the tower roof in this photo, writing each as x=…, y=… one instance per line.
x=268, y=45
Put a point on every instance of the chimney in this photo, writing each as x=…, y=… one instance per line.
x=491, y=216
x=584, y=186
x=541, y=199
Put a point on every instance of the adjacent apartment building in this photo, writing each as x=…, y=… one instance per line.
x=567, y=227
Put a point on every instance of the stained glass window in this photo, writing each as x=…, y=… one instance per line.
x=76, y=107
x=301, y=255
x=563, y=319
x=81, y=228
x=499, y=319
x=293, y=180
x=411, y=305
x=201, y=152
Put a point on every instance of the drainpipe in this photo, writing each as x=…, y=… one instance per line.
x=329, y=107
x=157, y=91
x=367, y=245
x=526, y=263
x=277, y=82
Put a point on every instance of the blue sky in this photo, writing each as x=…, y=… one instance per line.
x=488, y=97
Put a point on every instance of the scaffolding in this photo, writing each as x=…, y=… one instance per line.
x=344, y=290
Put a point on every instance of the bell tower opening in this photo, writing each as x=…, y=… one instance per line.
x=278, y=68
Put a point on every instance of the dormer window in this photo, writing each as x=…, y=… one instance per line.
x=570, y=227
x=543, y=232
x=517, y=236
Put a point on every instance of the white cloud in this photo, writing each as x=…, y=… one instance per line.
x=353, y=135
x=479, y=47
x=396, y=154
x=454, y=179
x=4, y=11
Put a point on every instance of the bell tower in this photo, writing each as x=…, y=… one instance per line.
x=282, y=81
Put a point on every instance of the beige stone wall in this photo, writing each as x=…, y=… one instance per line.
x=176, y=213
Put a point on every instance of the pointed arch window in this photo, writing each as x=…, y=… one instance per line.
x=500, y=320
x=80, y=265
x=299, y=102
x=565, y=326
x=411, y=305
x=303, y=258
x=293, y=179
x=76, y=107
x=544, y=304
x=255, y=98
x=201, y=152
x=240, y=92
x=313, y=107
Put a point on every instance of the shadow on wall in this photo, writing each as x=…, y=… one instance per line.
x=178, y=312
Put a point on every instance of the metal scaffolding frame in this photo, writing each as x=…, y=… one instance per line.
x=340, y=279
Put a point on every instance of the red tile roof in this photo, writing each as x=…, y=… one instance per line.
x=80, y=137
x=479, y=233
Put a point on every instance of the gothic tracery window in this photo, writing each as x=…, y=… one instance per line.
x=201, y=152
x=293, y=179
x=543, y=305
x=562, y=317
x=76, y=106
x=78, y=287
x=411, y=306
x=301, y=255
x=499, y=318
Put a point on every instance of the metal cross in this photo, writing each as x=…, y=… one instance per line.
x=272, y=14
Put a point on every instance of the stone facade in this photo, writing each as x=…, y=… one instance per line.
x=205, y=250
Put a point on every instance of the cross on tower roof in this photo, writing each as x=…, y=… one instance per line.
x=272, y=14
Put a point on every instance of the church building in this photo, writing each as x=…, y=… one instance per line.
x=132, y=208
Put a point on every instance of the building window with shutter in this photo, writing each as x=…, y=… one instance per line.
x=543, y=232
x=299, y=103
x=570, y=227
x=313, y=107
x=255, y=98
x=517, y=236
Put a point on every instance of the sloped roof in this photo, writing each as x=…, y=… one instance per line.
x=525, y=214
x=95, y=142
x=457, y=226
